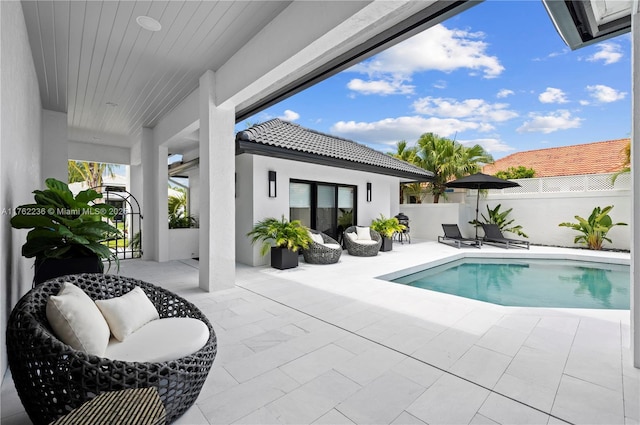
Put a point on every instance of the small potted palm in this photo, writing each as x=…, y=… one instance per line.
x=283, y=238
x=67, y=231
x=387, y=227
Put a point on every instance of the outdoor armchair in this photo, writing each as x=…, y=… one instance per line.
x=357, y=243
x=453, y=237
x=326, y=252
x=52, y=378
x=493, y=235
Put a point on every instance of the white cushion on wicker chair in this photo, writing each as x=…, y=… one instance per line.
x=332, y=246
x=352, y=235
x=160, y=341
x=76, y=320
x=364, y=234
x=127, y=313
x=366, y=242
x=316, y=237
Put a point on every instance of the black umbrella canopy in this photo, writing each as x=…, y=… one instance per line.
x=481, y=181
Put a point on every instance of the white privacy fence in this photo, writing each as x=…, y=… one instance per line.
x=539, y=205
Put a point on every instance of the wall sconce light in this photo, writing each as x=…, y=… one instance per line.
x=368, y=192
x=272, y=184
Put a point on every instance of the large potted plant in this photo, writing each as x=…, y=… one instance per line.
x=387, y=227
x=66, y=231
x=283, y=238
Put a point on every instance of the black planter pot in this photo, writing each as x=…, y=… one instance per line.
x=51, y=267
x=387, y=244
x=282, y=258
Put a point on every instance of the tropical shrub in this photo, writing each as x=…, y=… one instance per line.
x=281, y=233
x=387, y=226
x=495, y=216
x=520, y=172
x=594, y=229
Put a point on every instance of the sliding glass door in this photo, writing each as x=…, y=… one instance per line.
x=326, y=207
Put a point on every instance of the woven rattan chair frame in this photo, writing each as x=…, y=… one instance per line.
x=52, y=378
x=319, y=254
x=362, y=250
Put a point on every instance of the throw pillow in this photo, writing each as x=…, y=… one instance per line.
x=317, y=238
x=76, y=320
x=128, y=313
x=364, y=234
x=352, y=235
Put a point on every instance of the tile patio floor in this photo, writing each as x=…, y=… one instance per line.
x=334, y=345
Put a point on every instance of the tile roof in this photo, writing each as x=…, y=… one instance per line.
x=287, y=140
x=589, y=158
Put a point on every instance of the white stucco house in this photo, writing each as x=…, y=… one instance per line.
x=283, y=169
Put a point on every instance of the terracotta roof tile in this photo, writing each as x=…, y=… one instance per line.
x=590, y=158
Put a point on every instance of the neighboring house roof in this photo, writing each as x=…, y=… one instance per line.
x=590, y=158
x=286, y=140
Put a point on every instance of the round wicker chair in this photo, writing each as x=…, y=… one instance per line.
x=320, y=254
x=52, y=378
x=362, y=250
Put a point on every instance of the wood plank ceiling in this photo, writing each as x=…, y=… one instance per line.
x=110, y=76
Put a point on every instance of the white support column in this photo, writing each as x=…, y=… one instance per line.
x=54, y=145
x=217, y=202
x=150, y=221
x=635, y=179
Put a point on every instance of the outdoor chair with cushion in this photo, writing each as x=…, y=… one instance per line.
x=52, y=378
x=453, y=237
x=493, y=235
x=323, y=249
x=362, y=241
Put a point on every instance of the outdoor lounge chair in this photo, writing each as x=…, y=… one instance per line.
x=326, y=252
x=453, y=237
x=493, y=235
x=362, y=247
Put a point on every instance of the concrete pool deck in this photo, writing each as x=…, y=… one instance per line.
x=334, y=344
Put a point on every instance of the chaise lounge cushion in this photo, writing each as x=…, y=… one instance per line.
x=160, y=341
x=77, y=321
x=127, y=313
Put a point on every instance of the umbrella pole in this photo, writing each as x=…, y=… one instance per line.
x=477, y=204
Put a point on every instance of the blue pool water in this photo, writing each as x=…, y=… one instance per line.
x=529, y=283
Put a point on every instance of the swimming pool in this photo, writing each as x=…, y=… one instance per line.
x=529, y=282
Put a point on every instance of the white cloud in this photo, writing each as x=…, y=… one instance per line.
x=558, y=120
x=553, y=95
x=584, y=102
x=472, y=109
x=552, y=55
x=289, y=115
x=608, y=53
x=605, y=94
x=440, y=84
x=381, y=87
x=436, y=49
x=390, y=130
x=489, y=145
x=504, y=93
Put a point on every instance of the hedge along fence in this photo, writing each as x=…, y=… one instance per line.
x=539, y=205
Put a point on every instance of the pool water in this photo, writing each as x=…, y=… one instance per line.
x=530, y=282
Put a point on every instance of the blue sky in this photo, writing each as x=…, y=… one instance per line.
x=498, y=75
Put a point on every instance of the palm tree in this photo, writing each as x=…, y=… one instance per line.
x=626, y=151
x=90, y=173
x=447, y=160
x=405, y=153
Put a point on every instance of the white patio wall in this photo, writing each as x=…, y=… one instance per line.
x=539, y=212
x=253, y=202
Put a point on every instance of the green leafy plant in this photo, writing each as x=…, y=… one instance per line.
x=594, y=229
x=280, y=233
x=387, y=226
x=178, y=217
x=520, y=172
x=64, y=226
x=495, y=216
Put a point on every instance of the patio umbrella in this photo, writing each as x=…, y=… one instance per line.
x=480, y=181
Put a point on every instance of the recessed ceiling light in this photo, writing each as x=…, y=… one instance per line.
x=148, y=23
